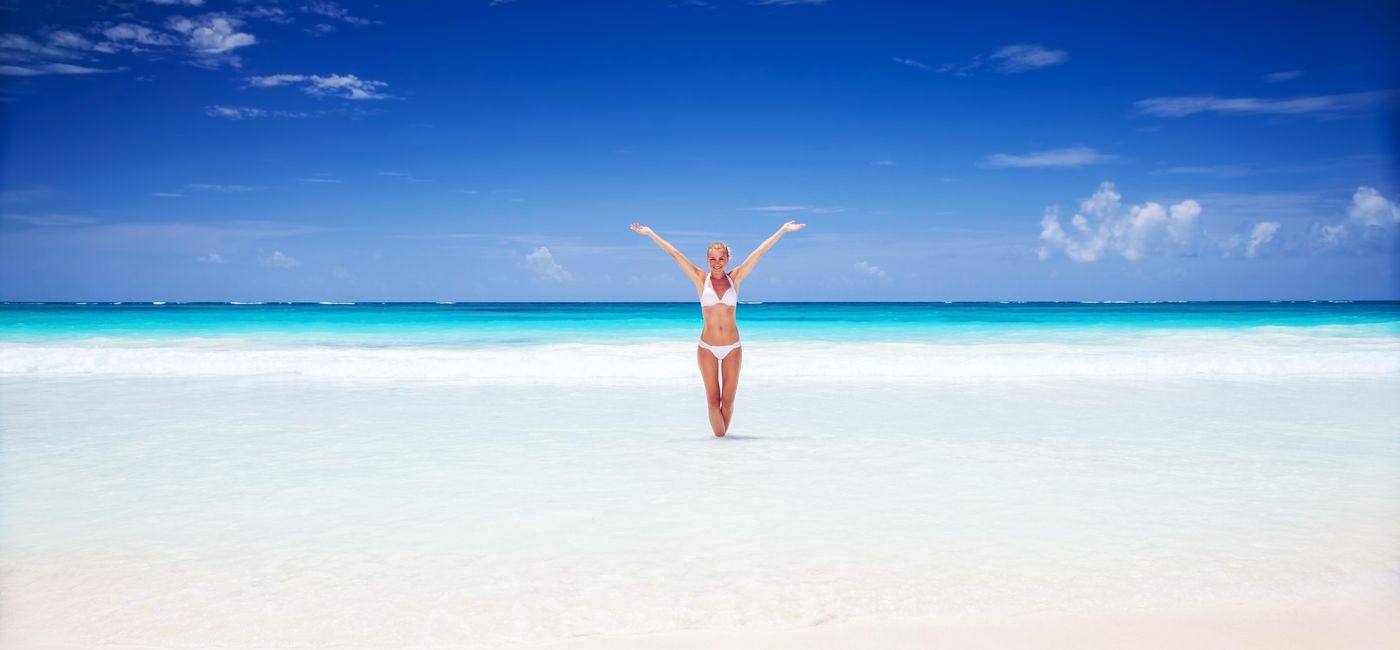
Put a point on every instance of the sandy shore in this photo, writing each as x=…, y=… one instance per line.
x=1374, y=626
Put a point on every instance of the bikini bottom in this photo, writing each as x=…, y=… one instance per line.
x=720, y=351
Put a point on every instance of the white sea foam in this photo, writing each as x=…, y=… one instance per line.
x=1261, y=354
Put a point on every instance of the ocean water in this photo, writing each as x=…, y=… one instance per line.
x=489, y=475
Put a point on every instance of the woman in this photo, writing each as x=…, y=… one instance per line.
x=719, y=340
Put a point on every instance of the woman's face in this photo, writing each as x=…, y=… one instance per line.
x=718, y=259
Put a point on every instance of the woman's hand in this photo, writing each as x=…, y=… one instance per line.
x=640, y=229
x=789, y=226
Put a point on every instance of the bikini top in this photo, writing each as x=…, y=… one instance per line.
x=709, y=297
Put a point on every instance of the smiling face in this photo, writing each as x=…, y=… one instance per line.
x=717, y=257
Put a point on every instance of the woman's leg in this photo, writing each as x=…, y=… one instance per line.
x=709, y=372
x=731, y=383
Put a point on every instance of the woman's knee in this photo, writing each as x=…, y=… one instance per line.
x=715, y=400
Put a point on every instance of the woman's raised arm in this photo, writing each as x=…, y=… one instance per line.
x=691, y=270
x=743, y=269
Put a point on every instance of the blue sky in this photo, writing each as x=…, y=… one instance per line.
x=491, y=150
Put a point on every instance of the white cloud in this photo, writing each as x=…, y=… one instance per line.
x=212, y=37
x=1275, y=77
x=870, y=269
x=332, y=10
x=138, y=34
x=1024, y=57
x=248, y=112
x=234, y=112
x=912, y=62
x=19, y=42
x=344, y=86
x=1369, y=208
x=167, y=195
x=272, y=14
x=1102, y=225
x=1072, y=157
x=318, y=179
x=214, y=187
x=1369, y=211
x=69, y=40
x=50, y=68
x=279, y=260
x=1181, y=225
x=191, y=3
x=213, y=34
x=1332, y=235
x=347, y=86
x=271, y=81
x=212, y=258
x=1262, y=233
x=541, y=262
x=1321, y=105
x=1211, y=170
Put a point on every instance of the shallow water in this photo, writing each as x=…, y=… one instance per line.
x=227, y=503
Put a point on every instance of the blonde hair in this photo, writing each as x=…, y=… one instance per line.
x=718, y=244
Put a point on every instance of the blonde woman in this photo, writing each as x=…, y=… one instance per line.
x=719, y=354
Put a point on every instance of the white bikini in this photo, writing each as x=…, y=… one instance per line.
x=709, y=298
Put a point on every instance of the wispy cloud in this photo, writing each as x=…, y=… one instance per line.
x=541, y=262
x=318, y=178
x=1262, y=234
x=1211, y=170
x=1071, y=157
x=333, y=10
x=278, y=259
x=1009, y=59
x=248, y=112
x=1024, y=57
x=212, y=258
x=37, y=193
x=1319, y=105
x=167, y=195
x=789, y=2
x=785, y=209
x=215, y=187
x=406, y=177
x=344, y=86
x=130, y=37
x=188, y=3
x=50, y=68
x=866, y=268
x=884, y=163
x=49, y=219
x=1287, y=75
x=913, y=63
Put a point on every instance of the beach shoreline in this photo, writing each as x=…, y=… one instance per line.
x=1357, y=626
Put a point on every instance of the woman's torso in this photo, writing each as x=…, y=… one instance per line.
x=720, y=325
